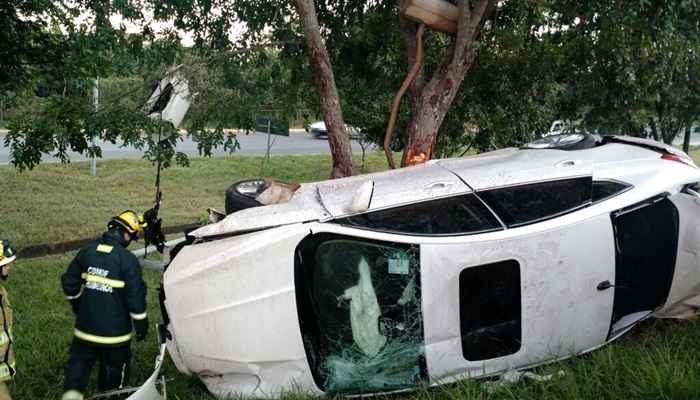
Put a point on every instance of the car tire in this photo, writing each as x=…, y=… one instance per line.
x=565, y=142
x=236, y=201
x=588, y=142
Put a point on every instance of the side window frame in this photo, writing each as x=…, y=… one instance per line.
x=484, y=209
x=626, y=187
x=502, y=215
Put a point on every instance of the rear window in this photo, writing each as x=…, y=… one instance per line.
x=520, y=205
x=490, y=310
x=453, y=215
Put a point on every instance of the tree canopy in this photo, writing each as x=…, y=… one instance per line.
x=606, y=66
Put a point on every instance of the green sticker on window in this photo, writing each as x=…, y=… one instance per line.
x=399, y=266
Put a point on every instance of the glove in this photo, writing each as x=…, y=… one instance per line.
x=141, y=328
x=75, y=305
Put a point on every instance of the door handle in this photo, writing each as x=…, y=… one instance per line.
x=605, y=285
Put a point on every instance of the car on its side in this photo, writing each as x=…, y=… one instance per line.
x=455, y=269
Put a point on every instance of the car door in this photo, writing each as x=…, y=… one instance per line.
x=646, y=245
x=517, y=298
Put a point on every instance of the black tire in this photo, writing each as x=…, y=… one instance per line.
x=588, y=142
x=236, y=201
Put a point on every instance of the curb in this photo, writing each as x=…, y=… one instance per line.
x=49, y=249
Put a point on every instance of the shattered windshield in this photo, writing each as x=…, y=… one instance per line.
x=360, y=312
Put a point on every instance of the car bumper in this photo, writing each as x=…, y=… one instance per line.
x=149, y=390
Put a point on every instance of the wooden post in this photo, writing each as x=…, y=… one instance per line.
x=96, y=105
x=436, y=14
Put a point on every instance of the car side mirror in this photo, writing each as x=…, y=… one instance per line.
x=363, y=197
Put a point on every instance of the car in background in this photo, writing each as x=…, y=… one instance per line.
x=454, y=269
x=318, y=130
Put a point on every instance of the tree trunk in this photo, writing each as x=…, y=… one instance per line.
x=431, y=101
x=338, y=138
x=686, y=139
x=433, y=104
x=654, y=131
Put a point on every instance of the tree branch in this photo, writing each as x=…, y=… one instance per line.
x=467, y=28
x=462, y=40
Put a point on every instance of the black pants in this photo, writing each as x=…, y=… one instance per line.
x=114, y=366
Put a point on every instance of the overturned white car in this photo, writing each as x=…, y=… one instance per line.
x=454, y=269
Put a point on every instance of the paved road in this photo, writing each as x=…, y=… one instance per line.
x=298, y=142
x=694, y=140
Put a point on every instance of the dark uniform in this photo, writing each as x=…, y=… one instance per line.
x=107, y=293
x=7, y=351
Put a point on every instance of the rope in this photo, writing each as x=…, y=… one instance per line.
x=397, y=100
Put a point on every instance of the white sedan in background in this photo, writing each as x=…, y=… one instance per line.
x=318, y=130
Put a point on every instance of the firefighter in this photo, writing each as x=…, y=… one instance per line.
x=7, y=365
x=104, y=286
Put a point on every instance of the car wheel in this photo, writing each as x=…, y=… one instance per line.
x=236, y=201
x=569, y=141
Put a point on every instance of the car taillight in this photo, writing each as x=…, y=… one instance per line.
x=673, y=157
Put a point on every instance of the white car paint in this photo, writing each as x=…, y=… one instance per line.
x=180, y=99
x=232, y=305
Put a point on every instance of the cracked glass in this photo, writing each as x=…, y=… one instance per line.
x=360, y=313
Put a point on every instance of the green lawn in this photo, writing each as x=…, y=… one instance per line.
x=60, y=202
x=659, y=360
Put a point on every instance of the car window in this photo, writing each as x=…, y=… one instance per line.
x=520, y=205
x=454, y=215
x=605, y=189
x=490, y=310
x=360, y=312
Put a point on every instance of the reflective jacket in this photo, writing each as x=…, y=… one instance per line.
x=7, y=352
x=104, y=285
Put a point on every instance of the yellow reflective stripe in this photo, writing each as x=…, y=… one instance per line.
x=100, y=279
x=102, y=339
x=139, y=316
x=104, y=248
x=5, y=338
x=72, y=395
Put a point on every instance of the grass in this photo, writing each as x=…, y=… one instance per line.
x=659, y=360
x=60, y=202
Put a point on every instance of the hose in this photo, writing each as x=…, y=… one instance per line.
x=397, y=100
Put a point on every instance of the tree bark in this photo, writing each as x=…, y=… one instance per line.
x=654, y=131
x=430, y=101
x=338, y=138
x=686, y=139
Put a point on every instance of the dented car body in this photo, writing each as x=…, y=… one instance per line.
x=459, y=268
